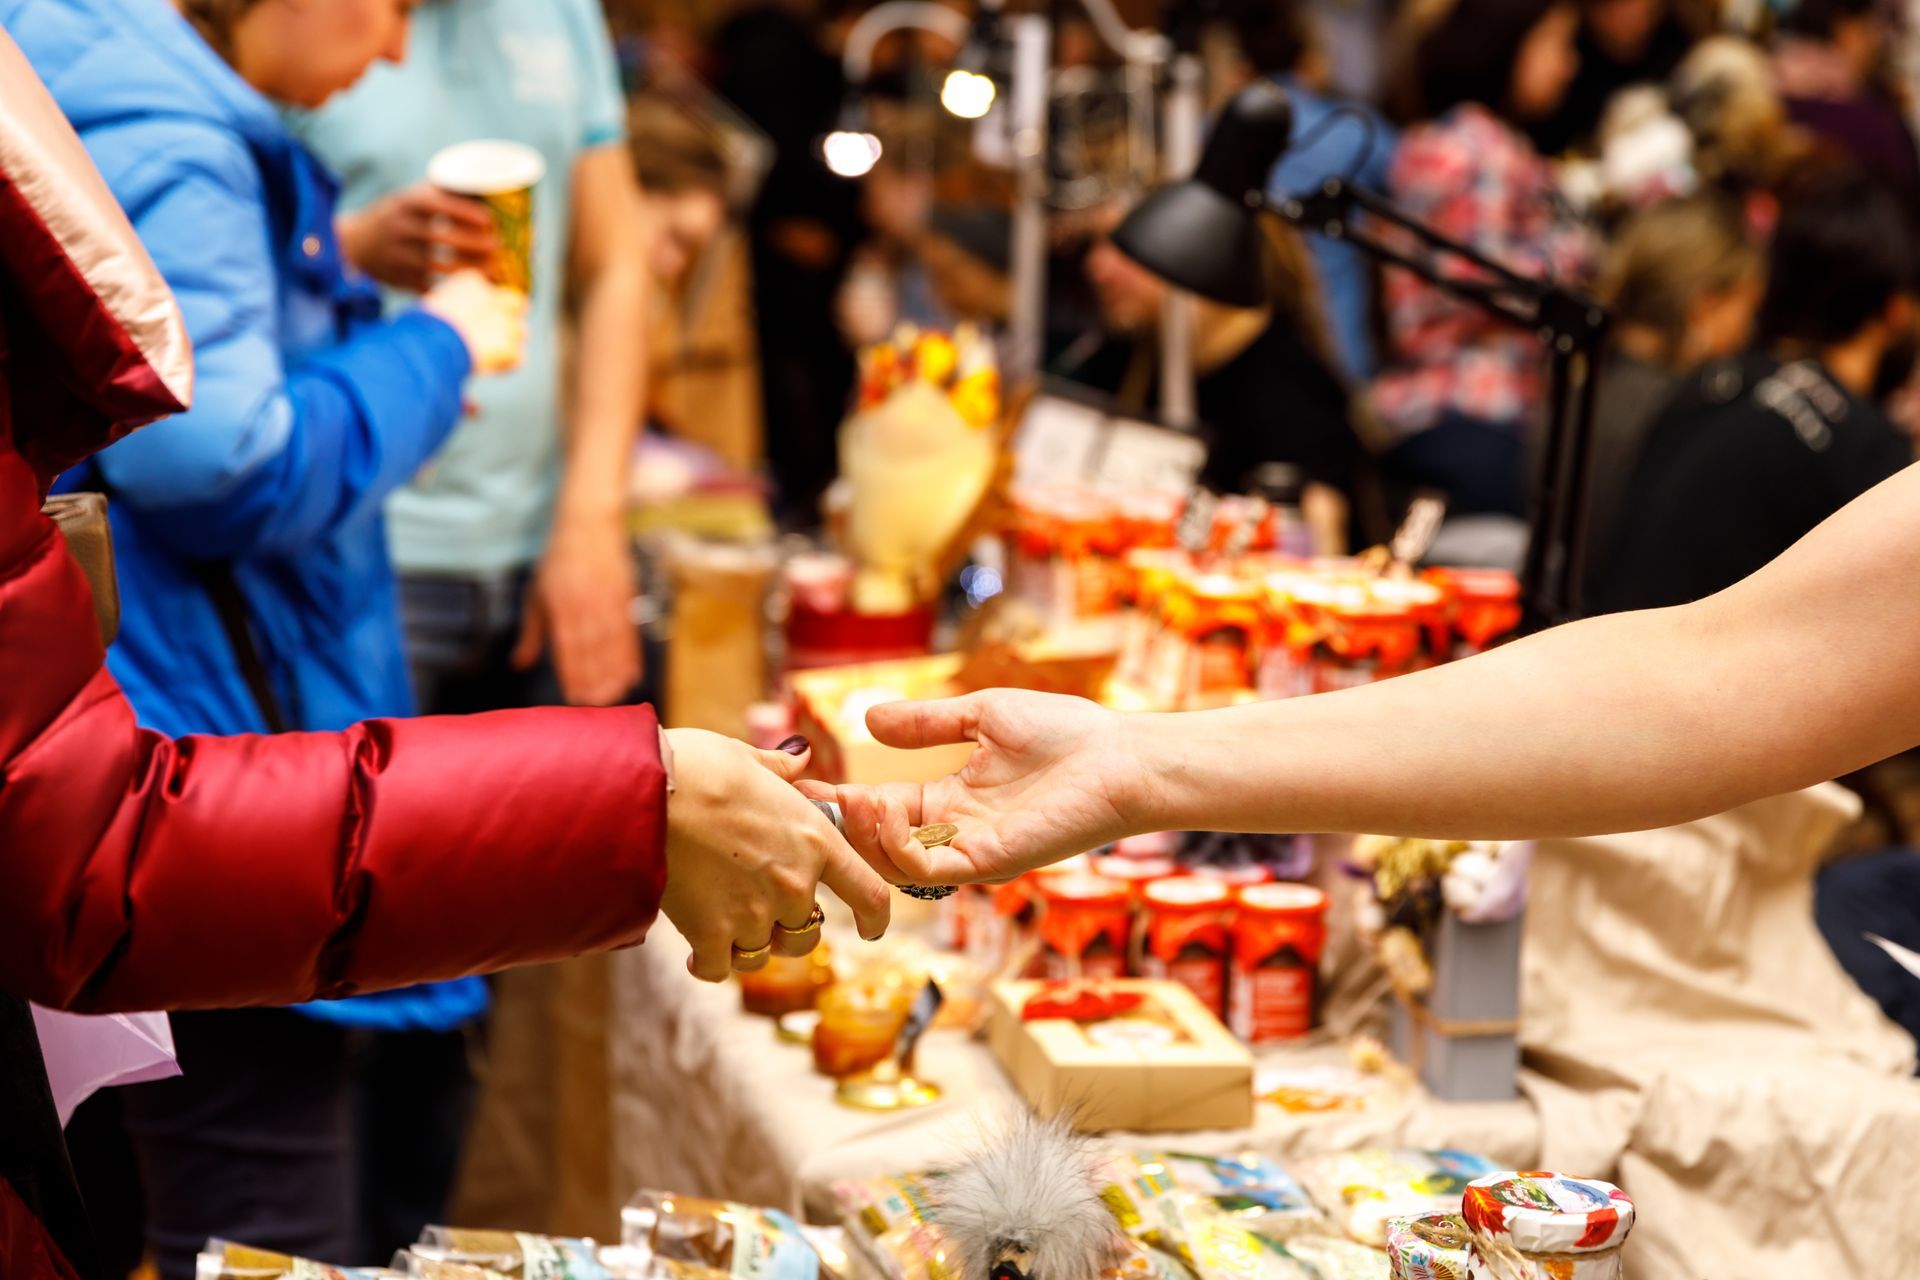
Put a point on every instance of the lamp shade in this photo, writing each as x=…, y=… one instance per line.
x=1203, y=234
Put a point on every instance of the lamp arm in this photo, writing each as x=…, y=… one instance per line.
x=1572, y=325
x=883, y=19
x=1144, y=46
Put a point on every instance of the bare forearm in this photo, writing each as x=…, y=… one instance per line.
x=608, y=266
x=609, y=390
x=1640, y=720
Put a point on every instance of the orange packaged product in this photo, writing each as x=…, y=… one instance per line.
x=1485, y=606
x=1091, y=539
x=1279, y=932
x=1366, y=636
x=1283, y=642
x=1085, y=921
x=1214, y=624
x=1150, y=573
x=1188, y=937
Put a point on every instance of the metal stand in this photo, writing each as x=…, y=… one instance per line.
x=1573, y=327
x=1032, y=40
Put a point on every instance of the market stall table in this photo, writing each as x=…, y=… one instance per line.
x=707, y=1100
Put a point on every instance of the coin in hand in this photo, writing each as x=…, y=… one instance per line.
x=934, y=836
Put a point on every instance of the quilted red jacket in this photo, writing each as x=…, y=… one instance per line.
x=138, y=872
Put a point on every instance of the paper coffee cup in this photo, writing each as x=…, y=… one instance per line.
x=501, y=175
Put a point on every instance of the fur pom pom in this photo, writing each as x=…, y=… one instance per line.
x=1028, y=1205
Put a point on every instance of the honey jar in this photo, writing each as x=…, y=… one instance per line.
x=1280, y=930
x=1084, y=923
x=786, y=984
x=859, y=1022
x=1187, y=936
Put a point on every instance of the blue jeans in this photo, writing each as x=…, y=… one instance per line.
x=461, y=633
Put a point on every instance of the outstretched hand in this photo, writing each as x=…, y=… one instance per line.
x=1051, y=777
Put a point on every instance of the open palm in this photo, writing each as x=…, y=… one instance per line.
x=1051, y=777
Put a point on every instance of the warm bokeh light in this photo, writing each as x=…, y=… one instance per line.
x=850, y=154
x=967, y=94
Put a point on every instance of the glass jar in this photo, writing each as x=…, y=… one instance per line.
x=1084, y=924
x=1484, y=607
x=1546, y=1226
x=860, y=1021
x=1187, y=937
x=1280, y=930
x=786, y=984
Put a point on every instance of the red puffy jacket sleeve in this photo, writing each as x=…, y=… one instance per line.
x=138, y=872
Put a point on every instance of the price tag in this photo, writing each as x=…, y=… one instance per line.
x=919, y=1018
x=1057, y=443
x=1142, y=455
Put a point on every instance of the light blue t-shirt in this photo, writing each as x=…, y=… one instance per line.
x=540, y=72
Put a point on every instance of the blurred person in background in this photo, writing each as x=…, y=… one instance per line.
x=253, y=555
x=517, y=577
x=1461, y=392
x=1681, y=282
x=1264, y=386
x=1743, y=142
x=1752, y=452
x=1621, y=43
x=1332, y=138
x=770, y=63
x=1833, y=63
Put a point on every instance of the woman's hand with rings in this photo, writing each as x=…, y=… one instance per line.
x=746, y=854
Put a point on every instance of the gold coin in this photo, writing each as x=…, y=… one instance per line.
x=938, y=834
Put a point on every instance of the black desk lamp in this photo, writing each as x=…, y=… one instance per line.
x=1203, y=235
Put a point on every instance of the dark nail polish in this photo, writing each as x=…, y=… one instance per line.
x=797, y=745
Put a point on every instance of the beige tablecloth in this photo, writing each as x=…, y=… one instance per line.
x=1688, y=1034
x=708, y=1101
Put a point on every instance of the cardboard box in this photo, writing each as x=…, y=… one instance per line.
x=842, y=750
x=1203, y=1080
x=1467, y=1049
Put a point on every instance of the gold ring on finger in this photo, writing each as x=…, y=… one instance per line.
x=749, y=960
x=801, y=941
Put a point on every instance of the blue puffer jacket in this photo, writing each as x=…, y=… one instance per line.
x=308, y=410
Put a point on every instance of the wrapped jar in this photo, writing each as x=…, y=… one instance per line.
x=1483, y=607
x=859, y=1023
x=1279, y=933
x=1187, y=936
x=1150, y=573
x=1084, y=923
x=1367, y=635
x=1211, y=644
x=786, y=984
x=1545, y=1226
x=1433, y=1246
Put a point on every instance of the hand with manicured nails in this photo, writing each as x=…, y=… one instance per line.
x=747, y=851
x=1051, y=777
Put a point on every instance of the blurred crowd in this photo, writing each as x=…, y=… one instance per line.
x=1737, y=187
x=399, y=491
